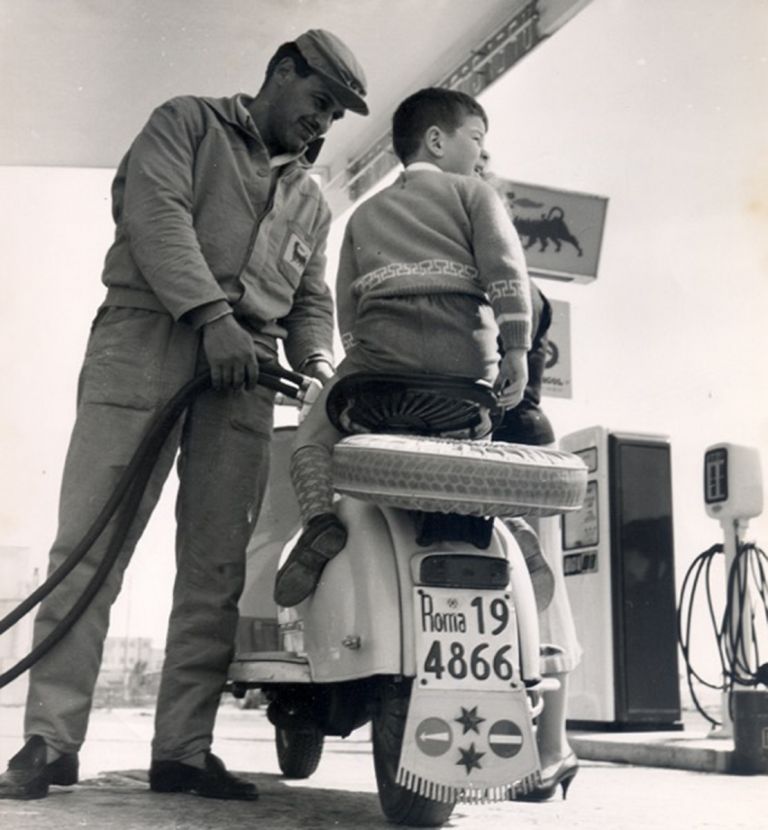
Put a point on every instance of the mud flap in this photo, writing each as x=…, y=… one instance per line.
x=473, y=746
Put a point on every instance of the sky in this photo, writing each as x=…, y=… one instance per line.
x=657, y=105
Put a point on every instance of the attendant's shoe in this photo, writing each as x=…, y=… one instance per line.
x=323, y=537
x=213, y=781
x=29, y=774
x=556, y=775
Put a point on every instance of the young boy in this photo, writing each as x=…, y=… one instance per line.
x=431, y=273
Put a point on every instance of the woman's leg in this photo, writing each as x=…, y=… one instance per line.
x=558, y=761
x=551, y=736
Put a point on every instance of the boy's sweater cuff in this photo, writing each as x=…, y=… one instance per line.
x=515, y=333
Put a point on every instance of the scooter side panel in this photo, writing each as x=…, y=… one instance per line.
x=401, y=531
x=351, y=622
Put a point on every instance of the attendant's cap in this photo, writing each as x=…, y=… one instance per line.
x=330, y=58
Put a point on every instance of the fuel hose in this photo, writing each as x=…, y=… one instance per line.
x=122, y=504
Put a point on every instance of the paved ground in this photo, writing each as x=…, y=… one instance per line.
x=342, y=793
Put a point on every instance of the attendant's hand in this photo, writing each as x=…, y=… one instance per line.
x=513, y=376
x=231, y=354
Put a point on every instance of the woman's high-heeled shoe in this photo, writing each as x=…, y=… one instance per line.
x=560, y=774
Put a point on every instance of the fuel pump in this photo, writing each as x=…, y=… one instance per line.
x=733, y=494
x=618, y=562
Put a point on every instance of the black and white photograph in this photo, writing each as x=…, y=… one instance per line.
x=384, y=418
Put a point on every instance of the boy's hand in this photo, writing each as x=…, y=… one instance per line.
x=513, y=376
x=320, y=369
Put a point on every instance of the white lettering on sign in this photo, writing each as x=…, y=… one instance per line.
x=497, y=54
x=557, y=381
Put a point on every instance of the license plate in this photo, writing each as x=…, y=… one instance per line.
x=465, y=638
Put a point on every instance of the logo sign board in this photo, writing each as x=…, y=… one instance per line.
x=561, y=230
x=557, y=368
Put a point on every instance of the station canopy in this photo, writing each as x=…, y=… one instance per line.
x=80, y=77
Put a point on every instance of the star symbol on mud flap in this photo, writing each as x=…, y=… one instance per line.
x=470, y=758
x=469, y=720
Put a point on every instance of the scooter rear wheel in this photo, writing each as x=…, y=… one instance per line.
x=400, y=806
x=298, y=750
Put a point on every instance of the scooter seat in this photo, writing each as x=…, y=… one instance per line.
x=413, y=404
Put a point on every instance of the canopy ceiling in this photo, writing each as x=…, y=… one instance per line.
x=80, y=77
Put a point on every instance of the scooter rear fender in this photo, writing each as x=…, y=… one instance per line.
x=351, y=623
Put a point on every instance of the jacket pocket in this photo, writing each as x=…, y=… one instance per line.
x=252, y=411
x=124, y=358
x=294, y=253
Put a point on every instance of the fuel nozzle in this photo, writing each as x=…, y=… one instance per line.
x=304, y=394
x=309, y=391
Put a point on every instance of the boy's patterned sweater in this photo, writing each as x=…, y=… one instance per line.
x=434, y=232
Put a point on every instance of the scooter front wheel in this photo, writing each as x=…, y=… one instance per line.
x=298, y=750
x=400, y=806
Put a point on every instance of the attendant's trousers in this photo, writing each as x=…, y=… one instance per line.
x=135, y=361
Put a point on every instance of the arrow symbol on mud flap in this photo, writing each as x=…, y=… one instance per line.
x=434, y=736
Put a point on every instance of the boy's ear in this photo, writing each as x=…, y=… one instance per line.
x=433, y=141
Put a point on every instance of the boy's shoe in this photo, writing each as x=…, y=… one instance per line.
x=214, y=781
x=29, y=774
x=323, y=537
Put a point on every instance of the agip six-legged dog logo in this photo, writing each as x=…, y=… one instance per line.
x=549, y=227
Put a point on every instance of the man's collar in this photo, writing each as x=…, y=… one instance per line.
x=283, y=158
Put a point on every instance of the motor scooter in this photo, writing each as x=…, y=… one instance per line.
x=425, y=624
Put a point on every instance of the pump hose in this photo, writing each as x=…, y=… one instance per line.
x=124, y=502
x=739, y=660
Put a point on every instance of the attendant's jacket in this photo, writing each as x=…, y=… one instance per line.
x=202, y=225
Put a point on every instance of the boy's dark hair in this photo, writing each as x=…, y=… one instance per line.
x=446, y=108
x=288, y=50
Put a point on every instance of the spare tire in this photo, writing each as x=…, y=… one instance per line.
x=474, y=478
